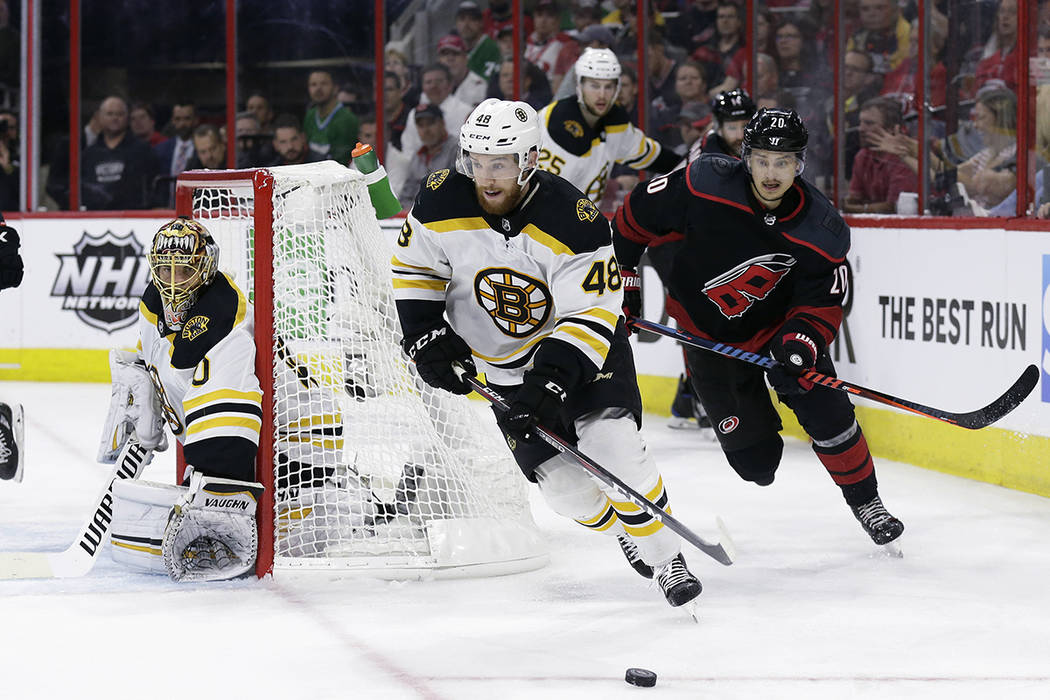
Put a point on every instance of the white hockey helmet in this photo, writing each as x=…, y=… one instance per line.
x=500, y=127
x=601, y=64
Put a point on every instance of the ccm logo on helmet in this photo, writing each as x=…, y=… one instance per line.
x=728, y=425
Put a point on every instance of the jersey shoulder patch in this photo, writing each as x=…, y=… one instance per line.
x=446, y=195
x=821, y=226
x=565, y=126
x=720, y=178
x=221, y=307
x=564, y=214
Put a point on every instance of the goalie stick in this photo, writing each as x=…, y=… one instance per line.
x=716, y=551
x=80, y=557
x=973, y=420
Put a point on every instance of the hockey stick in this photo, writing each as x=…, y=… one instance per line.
x=973, y=420
x=79, y=558
x=715, y=551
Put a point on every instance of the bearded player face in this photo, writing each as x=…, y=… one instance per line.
x=496, y=181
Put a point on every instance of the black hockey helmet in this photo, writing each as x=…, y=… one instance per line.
x=775, y=129
x=733, y=105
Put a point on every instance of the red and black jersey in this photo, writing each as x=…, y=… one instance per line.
x=735, y=271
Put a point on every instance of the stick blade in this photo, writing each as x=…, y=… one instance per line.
x=1006, y=403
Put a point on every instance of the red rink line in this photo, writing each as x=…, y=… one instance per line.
x=417, y=683
x=756, y=679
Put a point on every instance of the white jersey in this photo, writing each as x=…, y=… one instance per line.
x=584, y=155
x=546, y=270
x=205, y=373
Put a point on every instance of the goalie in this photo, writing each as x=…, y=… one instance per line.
x=194, y=371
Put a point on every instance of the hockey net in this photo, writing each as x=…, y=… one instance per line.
x=366, y=468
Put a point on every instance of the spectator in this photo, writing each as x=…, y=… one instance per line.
x=764, y=23
x=395, y=109
x=254, y=148
x=397, y=63
x=173, y=156
x=483, y=54
x=92, y=129
x=628, y=95
x=498, y=18
x=117, y=171
x=661, y=69
x=859, y=84
x=724, y=54
x=883, y=33
x=467, y=86
x=10, y=50
x=438, y=150
x=210, y=148
x=690, y=89
x=696, y=26
x=367, y=132
x=143, y=124
x=991, y=173
x=10, y=180
x=901, y=82
x=692, y=122
x=290, y=143
x=797, y=62
x=1000, y=53
x=535, y=88
x=767, y=78
x=552, y=51
x=437, y=90
x=585, y=13
x=593, y=37
x=260, y=105
x=330, y=128
x=879, y=175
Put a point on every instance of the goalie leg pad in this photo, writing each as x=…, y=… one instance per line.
x=12, y=442
x=140, y=514
x=211, y=533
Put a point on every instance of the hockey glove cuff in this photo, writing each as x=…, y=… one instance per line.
x=434, y=352
x=795, y=348
x=632, y=292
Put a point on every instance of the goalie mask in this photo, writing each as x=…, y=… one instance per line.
x=183, y=261
x=499, y=127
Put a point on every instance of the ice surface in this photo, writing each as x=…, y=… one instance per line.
x=810, y=610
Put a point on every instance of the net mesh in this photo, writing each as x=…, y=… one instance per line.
x=371, y=467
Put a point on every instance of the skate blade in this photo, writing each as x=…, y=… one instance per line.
x=692, y=608
x=893, y=549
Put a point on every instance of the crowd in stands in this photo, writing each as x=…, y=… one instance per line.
x=695, y=49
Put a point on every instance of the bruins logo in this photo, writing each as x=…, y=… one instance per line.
x=435, y=178
x=521, y=115
x=194, y=327
x=574, y=128
x=516, y=303
x=586, y=210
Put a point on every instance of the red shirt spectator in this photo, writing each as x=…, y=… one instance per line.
x=998, y=67
x=880, y=177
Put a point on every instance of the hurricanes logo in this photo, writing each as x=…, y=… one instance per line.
x=102, y=280
x=435, y=178
x=585, y=210
x=194, y=327
x=728, y=425
x=574, y=128
x=734, y=292
x=516, y=303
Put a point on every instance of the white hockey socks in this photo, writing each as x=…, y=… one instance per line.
x=211, y=533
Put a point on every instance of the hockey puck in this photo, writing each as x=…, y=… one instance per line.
x=641, y=677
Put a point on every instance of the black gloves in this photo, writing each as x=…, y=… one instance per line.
x=796, y=350
x=10, y=261
x=434, y=352
x=538, y=401
x=632, y=292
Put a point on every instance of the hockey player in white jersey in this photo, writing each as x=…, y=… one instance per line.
x=510, y=270
x=583, y=136
x=194, y=371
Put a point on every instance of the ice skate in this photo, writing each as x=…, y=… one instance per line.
x=634, y=556
x=679, y=586
x=882, y=527
x=10, y=442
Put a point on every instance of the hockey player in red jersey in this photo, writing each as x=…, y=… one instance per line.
x=759, y=262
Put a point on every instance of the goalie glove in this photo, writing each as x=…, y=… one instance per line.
x=211, y=533
x=134, y=408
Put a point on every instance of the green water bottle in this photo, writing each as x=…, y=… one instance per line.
x=383, y=199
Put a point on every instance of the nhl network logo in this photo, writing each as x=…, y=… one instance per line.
x=102, y=280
